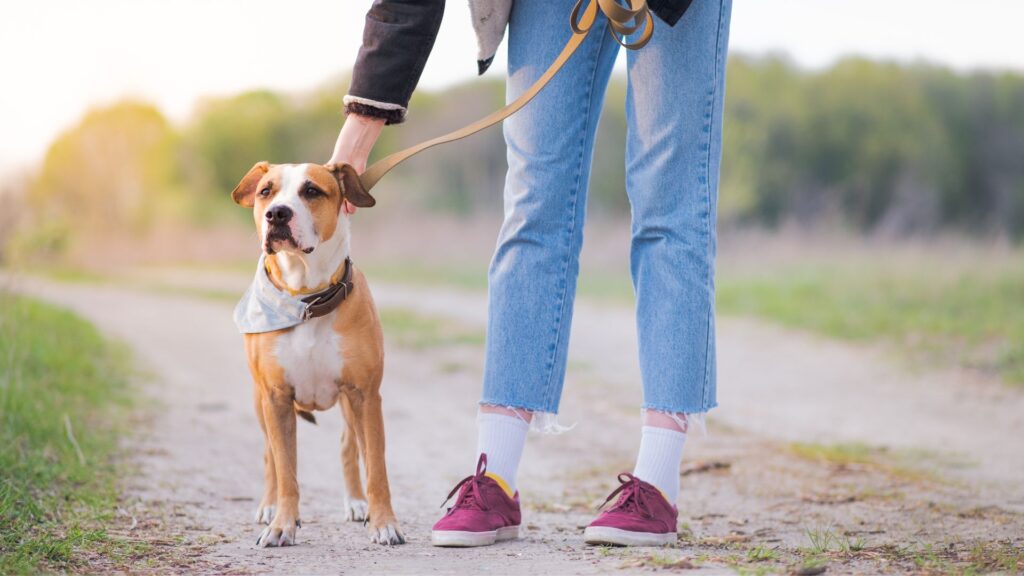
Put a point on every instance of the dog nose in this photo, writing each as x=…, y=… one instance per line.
x=279, y=215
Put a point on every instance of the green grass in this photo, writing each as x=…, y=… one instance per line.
x=811, y=565
x=839, y=454
x=661, y=561
x=412, y=329
x=63, y=394
x=762, y=553
x=986, y=557
x=960, y=558
x=403, y=272
x=968, y=317
x=824, y=540
x=72, y=275
x=907, y=465
x=954, y=312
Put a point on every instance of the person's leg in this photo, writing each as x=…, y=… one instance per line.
x=674, y=112
x=532, y=278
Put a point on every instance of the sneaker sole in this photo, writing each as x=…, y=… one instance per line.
x=617, y=537
x=455, y=539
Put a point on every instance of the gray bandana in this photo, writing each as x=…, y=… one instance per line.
x=265, y=308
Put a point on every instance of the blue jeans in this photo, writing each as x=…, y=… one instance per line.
x=673, y=150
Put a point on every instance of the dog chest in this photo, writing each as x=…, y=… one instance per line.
x=310, y=355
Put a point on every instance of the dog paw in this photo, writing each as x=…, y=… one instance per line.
x=356, y=510
x=265, y=513
x=389, y=534
x=278, y=533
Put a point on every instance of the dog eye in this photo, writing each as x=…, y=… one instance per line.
x=311, y=192
x=265, y=192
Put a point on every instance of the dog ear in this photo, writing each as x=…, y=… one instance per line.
x=245, y=193
x=351, y=187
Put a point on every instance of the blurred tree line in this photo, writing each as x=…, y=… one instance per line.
x=873, y=147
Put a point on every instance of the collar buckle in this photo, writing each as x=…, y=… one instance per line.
x=327, y=300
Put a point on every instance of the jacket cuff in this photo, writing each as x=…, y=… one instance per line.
x=391, y=113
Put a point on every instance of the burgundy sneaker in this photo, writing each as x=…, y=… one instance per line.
x=483, y=513
x=640, y=517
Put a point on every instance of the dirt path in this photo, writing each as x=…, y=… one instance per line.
x=199, y=460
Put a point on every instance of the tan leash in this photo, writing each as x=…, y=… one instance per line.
x=622, y=21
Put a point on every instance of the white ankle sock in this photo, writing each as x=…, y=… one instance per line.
x=502, y=438
x=661, y=451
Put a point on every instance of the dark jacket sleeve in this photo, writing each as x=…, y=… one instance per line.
x=397, y=39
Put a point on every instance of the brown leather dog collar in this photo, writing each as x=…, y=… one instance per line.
x=325, y=301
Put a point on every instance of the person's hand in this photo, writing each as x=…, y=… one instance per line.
x=357, y=137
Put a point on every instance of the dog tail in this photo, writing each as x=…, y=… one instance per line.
x=305, y=415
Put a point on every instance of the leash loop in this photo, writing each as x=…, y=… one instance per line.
x=622, y=21
x=574, y=19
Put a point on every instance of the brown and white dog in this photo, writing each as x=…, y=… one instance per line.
x=333, y=359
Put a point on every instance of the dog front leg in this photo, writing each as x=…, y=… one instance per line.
x=355, y=498
x=268, y=503
x=279, y=415
x=383, y=524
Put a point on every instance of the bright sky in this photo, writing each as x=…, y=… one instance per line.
x=60, y=57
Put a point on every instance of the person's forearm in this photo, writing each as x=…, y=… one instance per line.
x=356, y=140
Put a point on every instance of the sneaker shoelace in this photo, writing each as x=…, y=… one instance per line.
x=633, y=496
x=471, y=496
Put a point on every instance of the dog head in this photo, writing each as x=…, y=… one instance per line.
x=297, y=206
